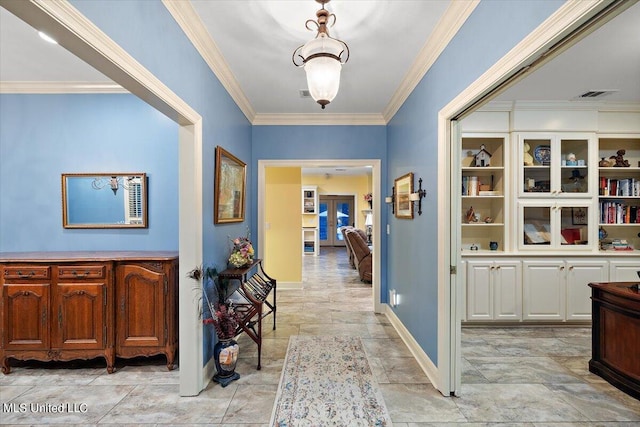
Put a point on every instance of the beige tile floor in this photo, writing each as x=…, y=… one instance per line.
x=533, y=377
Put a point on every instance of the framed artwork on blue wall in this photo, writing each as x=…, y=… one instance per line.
x=229, y=188
x=403, y=188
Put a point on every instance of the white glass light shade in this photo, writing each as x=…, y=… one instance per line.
x=323, y=78
x=323, y=72
x=368, y=220
x=414, y=197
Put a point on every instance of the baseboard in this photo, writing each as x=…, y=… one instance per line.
x=289, y=286
x=421, y=357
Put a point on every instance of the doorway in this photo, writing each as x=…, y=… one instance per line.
x=335, y=212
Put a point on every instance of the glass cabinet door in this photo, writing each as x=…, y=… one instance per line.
x=536, y=165
x=557, y=225
x=554, y=165
x=574, y=166
x=536, y=225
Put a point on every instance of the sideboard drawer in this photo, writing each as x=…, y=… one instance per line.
x=81, y=272
x=27, y=272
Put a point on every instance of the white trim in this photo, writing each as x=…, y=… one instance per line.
x=426, y=364
x=495, y=106
x=80, y=36
x=567, y=18
x=453, y=18
x=289, y=286
x=377, y=207
x=190, y=22
x=60, y=87
x=319, y=119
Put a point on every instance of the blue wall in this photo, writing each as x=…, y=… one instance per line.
x=148, y=32
x=325, y=143
x=491, y=31
x=44, y=136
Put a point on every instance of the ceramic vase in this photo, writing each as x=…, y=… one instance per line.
x=225, y=354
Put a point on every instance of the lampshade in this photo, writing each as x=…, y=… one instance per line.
x=414, y=197
x=368, y=220
x=322, y=68
x=322, y=59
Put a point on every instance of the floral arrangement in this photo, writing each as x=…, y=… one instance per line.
x=368, y=197
x=220, y=313
x=241, y=251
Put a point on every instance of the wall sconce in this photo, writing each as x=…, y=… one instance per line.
x=418, y=195
x=392, y=199
x=114, y=183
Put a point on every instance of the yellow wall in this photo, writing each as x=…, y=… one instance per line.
x=342, y=185
x=283, y=236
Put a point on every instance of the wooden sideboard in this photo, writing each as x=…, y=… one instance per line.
x=82, y=305
x=616, y=335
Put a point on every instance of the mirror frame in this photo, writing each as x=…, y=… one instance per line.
x=106, y=185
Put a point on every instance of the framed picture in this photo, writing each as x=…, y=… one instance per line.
x=229, y=188
x=403, y=187
x=579, y=216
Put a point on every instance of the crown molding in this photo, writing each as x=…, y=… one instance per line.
x=84, y=39
x=190, y=22
x=319, y=119
x=32, y=87
x=453, y=18
x=502, y=106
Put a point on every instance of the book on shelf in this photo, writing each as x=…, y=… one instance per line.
x=619, y=213
x=489, y=193
x=627, y=187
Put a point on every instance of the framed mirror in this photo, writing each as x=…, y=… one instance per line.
x=104, y=200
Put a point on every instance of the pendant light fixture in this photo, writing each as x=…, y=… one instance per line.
x=322, y=58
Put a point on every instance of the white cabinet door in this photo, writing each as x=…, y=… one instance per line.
x=578, y=275
x=507, y=290
x=479, y=290
x=543, y=290
x=624, y=270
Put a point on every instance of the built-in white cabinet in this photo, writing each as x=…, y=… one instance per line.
x=563, y=201
x=310, y=200
x=494, y=290
x=555, y=289
x=578, y=275
x=484, y=190
x=624, y=270
x=310, y=241
x=543, y=290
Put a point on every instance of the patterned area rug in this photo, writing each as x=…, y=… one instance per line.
x=327, y=381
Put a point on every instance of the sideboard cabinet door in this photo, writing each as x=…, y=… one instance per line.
x=79, y=311
x=146, y=309
x=25, y=316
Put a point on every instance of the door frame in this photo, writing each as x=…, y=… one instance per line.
x=376, y=165
x=85, y=40
x=526, y=56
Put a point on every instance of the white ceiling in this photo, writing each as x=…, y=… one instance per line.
x=257, y=39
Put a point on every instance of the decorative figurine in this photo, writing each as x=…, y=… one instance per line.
x=471, y=215
x=483, y=158
x=604, y=163
x=620, y=162
x=527, y=158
